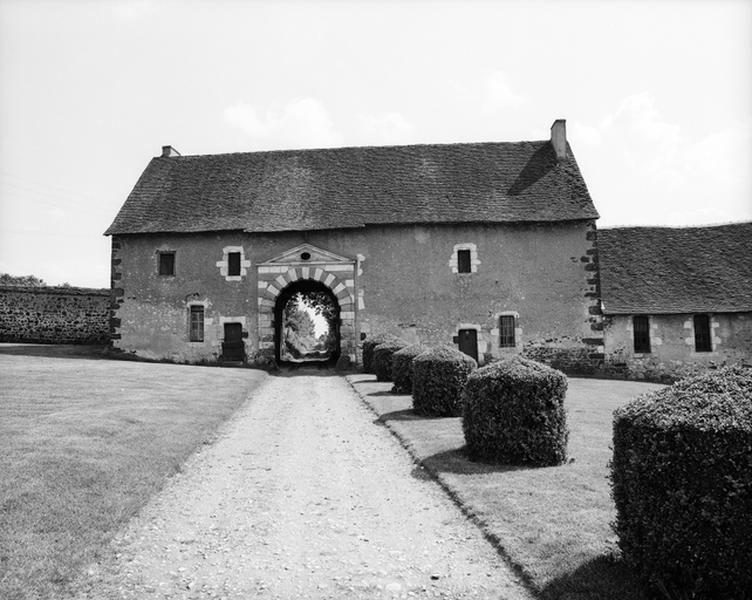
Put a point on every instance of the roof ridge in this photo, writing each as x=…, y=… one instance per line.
x=674, y=227
x=346, y=148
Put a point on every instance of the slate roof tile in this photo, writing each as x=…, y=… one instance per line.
x=296, y=190
x=661, y=270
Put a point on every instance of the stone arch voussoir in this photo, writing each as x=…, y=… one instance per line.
x=269, y=293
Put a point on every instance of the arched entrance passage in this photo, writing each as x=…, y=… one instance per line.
x=307, y=323
x=306, y=263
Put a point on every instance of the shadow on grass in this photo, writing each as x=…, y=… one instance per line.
x=601, y=577
x=399, y=415
x=458, y=461
x=55, y=350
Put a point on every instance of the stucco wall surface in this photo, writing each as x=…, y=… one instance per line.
x=672, y=345
x=404, y=282
x=58, y=315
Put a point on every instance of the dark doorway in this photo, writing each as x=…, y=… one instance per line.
x=306, y=324
x=468, y=341
x=233, y=349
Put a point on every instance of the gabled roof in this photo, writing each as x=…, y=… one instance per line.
x=296, y=190
x=652, y=270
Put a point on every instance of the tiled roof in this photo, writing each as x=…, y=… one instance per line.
x=296, y=190
x=653, y=270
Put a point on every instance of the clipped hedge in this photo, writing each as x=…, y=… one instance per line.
x=382, y=358
x=369, y=344
x=402, y=368
x=513, y=413
x=682, y=484
x=439, y=376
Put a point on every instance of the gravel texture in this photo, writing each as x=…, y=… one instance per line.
x=302, y=496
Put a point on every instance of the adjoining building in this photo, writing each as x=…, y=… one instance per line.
x=491, y=246
x=675, y=300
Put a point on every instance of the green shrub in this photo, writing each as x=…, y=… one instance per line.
x=402, y=368
x=513, y=413
x=439, y=375
x=368, y=346
x=682, y=483
x=382, y=358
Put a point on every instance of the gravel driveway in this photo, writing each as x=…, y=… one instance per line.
x=302, y=496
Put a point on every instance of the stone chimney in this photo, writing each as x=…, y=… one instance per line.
x=168, y=151
x=559, y=138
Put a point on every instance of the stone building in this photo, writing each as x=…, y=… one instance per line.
x=490, y=246
x=676, y=299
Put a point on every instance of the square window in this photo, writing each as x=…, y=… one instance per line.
x=506, y=332
x=641, y=329
x=702, y=334
x=463, y=261
x=167, y=263
x=233, y=264
x=196, y=324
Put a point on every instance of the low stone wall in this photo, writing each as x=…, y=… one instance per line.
x=54, y=315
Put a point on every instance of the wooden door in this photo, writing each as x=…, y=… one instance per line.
x=468, y=341
x=232, y=346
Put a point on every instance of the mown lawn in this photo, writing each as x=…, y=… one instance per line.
x=552, y=522
x=84, y=443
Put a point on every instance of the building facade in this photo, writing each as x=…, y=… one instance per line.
x=676, y=300
x=489, y=246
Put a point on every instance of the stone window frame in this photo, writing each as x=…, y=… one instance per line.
x=159, y=255
x=474, y=261
x=224, y=265
x=496, y=331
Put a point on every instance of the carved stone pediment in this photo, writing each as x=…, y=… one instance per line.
x=307, y=254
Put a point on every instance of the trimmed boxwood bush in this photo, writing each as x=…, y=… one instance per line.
x=382, y=358
x=682, y=484
x=513, y=413
x=402, y=368
x=439, y=375
x=368, y=346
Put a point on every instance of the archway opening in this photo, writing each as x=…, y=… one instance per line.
x=306, y=317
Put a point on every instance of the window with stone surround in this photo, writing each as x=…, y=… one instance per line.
x=464, y=258
x=703, y=341
x=233, y=266
x=196, y=323
x=641, y=334
x=166, y=265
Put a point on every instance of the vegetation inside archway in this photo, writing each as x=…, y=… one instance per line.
x=309, y=329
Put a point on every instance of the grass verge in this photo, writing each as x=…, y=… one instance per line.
x=553, y=523
x=83, y=445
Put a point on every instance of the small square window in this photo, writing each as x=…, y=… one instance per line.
x=506, y=332
x=703, y=342
x=641, y=329
x=463, y=261
x=196, y=324
x=167, y=263
x=233, y=264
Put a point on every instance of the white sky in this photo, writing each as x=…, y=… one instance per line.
x=657, y=97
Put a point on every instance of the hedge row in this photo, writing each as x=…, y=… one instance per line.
x=682, y=484
x=382, y=358
x=439, y=376
x=402, y=368
x=369, y=344
x=513, y=413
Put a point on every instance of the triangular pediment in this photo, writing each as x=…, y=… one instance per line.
x=308, y=254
